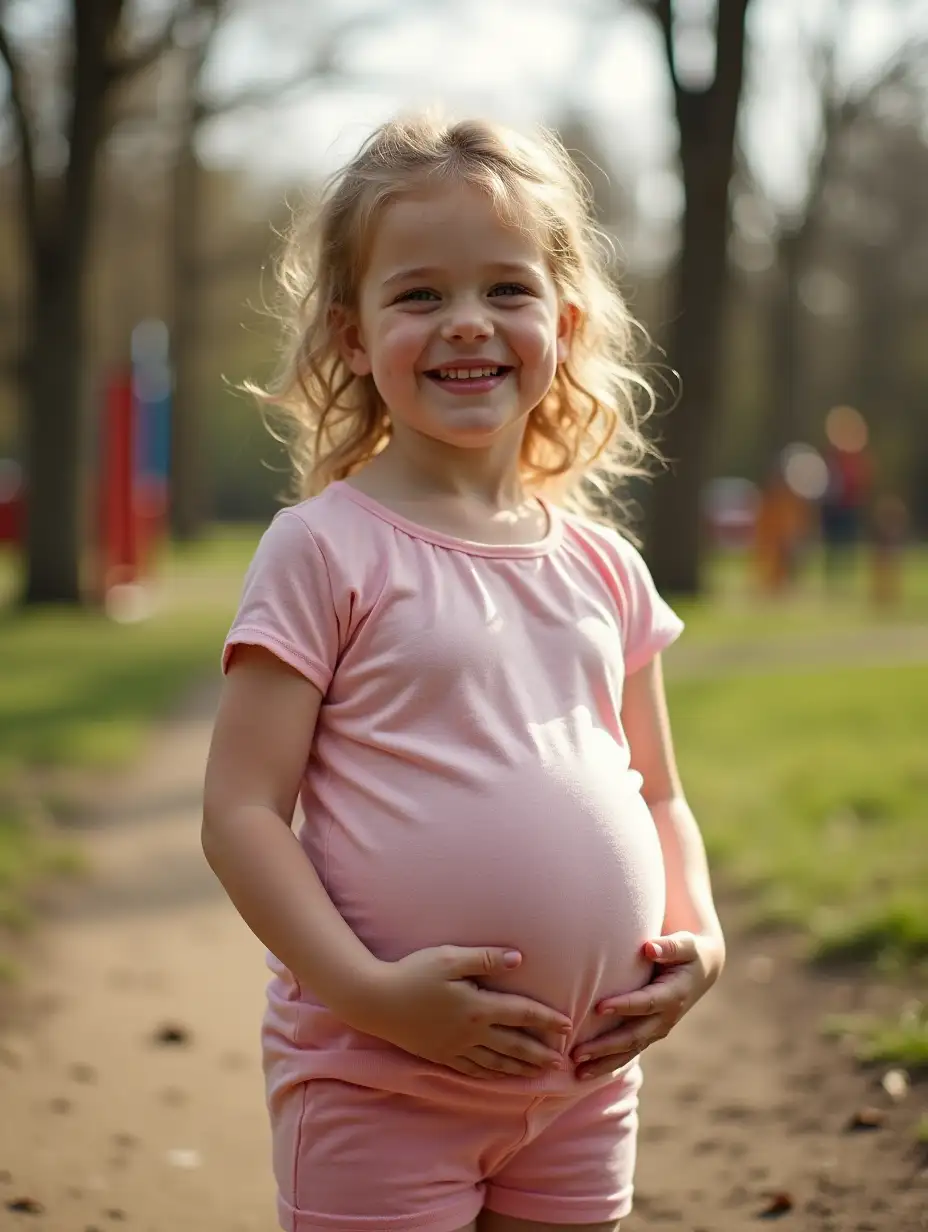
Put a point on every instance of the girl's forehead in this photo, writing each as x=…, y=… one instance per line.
x=439, y=224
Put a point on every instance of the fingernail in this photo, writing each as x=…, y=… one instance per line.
x=656, y=950
x=512, y=958
x=584, y=1056
x=585, y=1077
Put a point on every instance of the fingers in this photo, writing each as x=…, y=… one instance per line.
x=524, y=1048
x=625, y=1041
x=464, y=1065
x=510, y=1010
x=617, y=1049
x=674, y=948
x=461, y=962
x=664, y=995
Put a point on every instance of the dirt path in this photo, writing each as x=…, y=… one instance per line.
x=104, y=1124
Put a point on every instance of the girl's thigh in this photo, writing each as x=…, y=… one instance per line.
x=489, y=1221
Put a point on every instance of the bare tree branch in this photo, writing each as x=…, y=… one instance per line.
x=320, y=65
x=29, y=189
x=130, y=64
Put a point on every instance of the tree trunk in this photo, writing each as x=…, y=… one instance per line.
x=55, y=522
x=189, y=473
x=706, y=122
x=785, y=406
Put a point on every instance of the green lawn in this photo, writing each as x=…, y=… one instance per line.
x=80, y=690
x=812, y=789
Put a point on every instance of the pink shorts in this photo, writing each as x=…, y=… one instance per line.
x=352, y=1159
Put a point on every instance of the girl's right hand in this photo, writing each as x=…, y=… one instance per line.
x=429, y=1004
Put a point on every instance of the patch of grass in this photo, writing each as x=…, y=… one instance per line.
x=80, y=690
x=901, y=1041
x=921, y=1131
x=28, y=852
x=812, y=790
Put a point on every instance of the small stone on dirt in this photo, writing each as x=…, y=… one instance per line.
x=114, y=1213
x=25, y=1206
x=83, y=1073
x=778, y=1204
x=171, y=1033
x=60, y=1105
x=865, y=1119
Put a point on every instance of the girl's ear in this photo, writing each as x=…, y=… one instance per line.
x=567, y=322
x=346, y=332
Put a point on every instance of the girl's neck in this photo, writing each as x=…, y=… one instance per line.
x=410, y=470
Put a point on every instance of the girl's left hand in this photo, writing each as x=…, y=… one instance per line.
x=688, y=967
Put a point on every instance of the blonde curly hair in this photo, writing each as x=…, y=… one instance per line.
x=585, y=438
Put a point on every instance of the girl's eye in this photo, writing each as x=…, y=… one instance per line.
x=510, y=288
x=420, y=295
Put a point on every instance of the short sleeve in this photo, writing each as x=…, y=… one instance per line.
x=287, y=605
x=649, y=624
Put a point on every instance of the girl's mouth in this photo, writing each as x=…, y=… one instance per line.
x=475, y=380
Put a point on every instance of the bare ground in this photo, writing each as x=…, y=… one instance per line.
x=130, y=1090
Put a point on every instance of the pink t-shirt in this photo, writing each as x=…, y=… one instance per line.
x=469, y=779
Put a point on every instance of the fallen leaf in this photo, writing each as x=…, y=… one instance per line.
x=171, y=1033
x=25, y=1206
x=778, y=1204
x=867, y=1119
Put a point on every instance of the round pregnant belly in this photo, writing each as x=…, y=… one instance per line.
x=563, y=865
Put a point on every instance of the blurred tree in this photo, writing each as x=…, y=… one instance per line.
x=704, y=44
x=843, y=106
x=56, y=209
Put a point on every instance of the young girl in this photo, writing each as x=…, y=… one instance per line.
x=498, y=897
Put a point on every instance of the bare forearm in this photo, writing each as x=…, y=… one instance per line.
x=690, y=905
x=278, y=894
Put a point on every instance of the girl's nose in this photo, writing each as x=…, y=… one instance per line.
x=466, y=322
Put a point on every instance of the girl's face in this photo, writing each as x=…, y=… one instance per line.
x=459, y=319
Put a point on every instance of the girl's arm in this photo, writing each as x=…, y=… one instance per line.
x=264, y=727
x=690, y=905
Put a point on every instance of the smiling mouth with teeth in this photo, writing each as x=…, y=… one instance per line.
x=467, y=374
